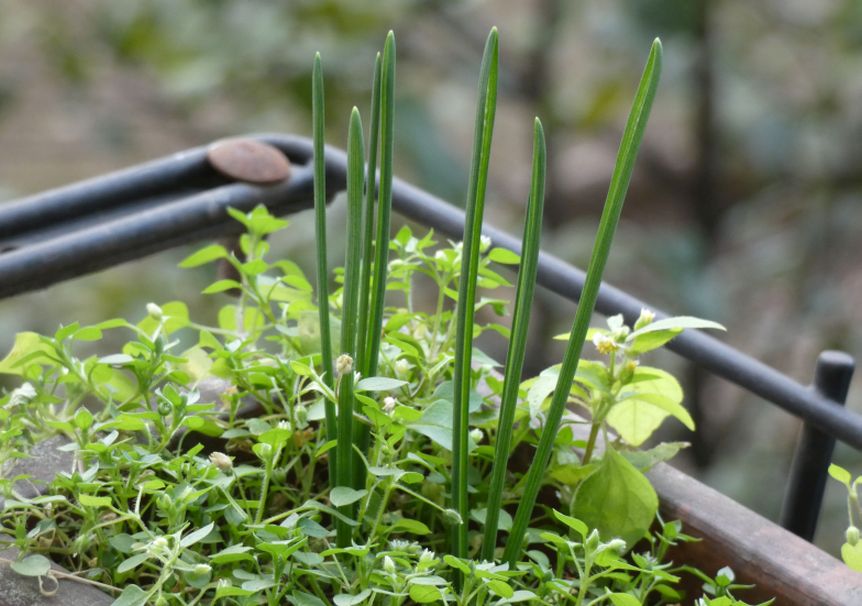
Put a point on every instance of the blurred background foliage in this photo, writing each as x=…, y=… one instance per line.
x=746, y=206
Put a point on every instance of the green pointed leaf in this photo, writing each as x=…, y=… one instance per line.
x=504, y=256
x=425, y=594
x=132, y=596
x=842, y=475
x=221, y=286
x=197, y=536
x=205, y=255
x=132, y=562
x=344, y=495
x=617, y=500
x=88, y=500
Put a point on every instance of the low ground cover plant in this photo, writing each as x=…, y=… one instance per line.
x=349, y=445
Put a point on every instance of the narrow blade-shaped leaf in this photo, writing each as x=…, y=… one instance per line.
x=631, y=140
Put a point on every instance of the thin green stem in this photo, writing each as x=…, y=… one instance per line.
x=318, y=118
x=368, y=220
x=518, y=343
x=632, y=137
x=485, y=112
x=350, y=293
x=360, y=431
x=384, y=204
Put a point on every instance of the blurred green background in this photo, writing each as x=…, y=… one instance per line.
x=746, y=205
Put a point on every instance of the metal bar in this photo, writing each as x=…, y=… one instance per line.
x=808, y=472
x=118, y=240
x=721, y=359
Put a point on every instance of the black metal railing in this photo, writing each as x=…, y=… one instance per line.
x=101, y=222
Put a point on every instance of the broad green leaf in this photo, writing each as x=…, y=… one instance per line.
x=344, y=495
x=26, y=343
x=300, y=598
x=504, y=522
x=425, y=594
x=221, y=286
x=637, y=417
x=624, y=599
x=411, y=526
x=656, y=334
x=379, y=384
x=852, y=555
x=132, y=562
x=32, y=566
x=573, y=523
x=436, y=424
x=617, y=500
x=205, y=255
x=234, y=553
x=501, y=588
x=344, y=599
x=132, y=596
x=197, y=536
x=255, y=585
x=504, y=256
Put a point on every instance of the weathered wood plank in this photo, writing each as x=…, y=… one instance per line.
x=781, y=564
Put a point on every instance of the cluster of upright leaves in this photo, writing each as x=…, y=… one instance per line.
x=851, y=550
x=246, y=461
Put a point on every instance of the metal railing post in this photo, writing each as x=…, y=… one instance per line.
x=808, y=472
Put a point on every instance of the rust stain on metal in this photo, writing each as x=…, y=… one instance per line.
x=249, y=160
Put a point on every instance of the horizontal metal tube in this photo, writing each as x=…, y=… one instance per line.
x=202, y=215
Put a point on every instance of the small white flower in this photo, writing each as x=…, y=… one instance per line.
x=201, y=569
x=476, y=435
x=605, y=344
x=343, y=365
x=440, y=255
x=484, y=243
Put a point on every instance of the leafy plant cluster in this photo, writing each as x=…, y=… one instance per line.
x=851, y=550
x=357, y=449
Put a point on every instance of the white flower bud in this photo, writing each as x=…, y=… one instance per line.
x=221, y=461
x=852, y=536
x=476, y=435
x=402, y=367
x=388, y=564
x=201, y=569
x=154, y=311
x=484, y=243
x=647, y=316
x=389, y=404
